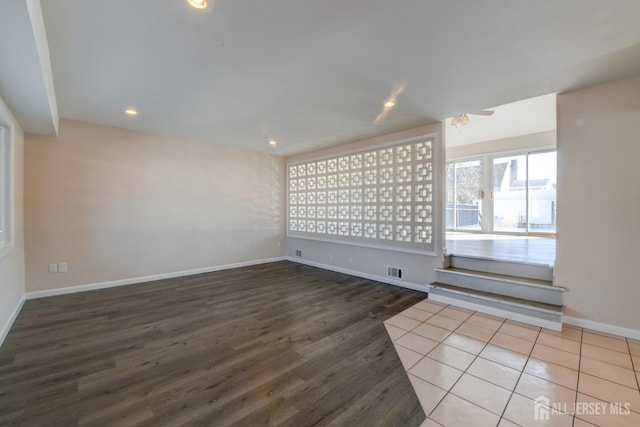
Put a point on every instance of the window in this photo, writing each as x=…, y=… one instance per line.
x=6, y=243
x=525, y=192
x=511, y=193
x=380, y=197
x=464, y=195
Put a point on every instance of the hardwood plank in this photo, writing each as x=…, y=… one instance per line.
x=274, y=344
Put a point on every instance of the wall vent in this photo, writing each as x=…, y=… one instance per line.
x=299, y=253
x=394, y=272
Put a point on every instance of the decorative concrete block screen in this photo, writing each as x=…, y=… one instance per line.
x=380, y=197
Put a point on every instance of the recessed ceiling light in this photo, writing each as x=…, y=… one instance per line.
x=131, y=112
x=198, y=4
x=389, y=104
x=272, y=142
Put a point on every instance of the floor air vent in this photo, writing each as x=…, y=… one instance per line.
x=394, y=272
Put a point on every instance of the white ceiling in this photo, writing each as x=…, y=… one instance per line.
x=315, y=73
x=524, y=117
x=26, y=82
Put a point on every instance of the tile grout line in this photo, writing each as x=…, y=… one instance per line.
x=529, y=356
x=608, y=348
x=441, y=342
x=447, y=391
x=394, y=341
x=465, y=371
x=604, y=379
x=520, y=376
x=626, y=339
x=410, y=330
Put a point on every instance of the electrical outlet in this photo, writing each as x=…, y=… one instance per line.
x=299, y=253
x=53, y=268
x=63, y=267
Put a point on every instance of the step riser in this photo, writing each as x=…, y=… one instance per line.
x=500, y=287
x=496, y=308
x=530, y=271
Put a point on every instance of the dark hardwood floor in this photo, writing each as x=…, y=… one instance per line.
x=274, y=344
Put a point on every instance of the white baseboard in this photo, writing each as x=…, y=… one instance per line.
x=582, y=323
x=603, y=327
x=142, y=279
x=556, y=326
x=7, y=326
x=383, y=279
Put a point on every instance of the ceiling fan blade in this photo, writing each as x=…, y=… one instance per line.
x=482, y=113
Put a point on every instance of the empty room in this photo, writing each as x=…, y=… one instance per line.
x=340, y=213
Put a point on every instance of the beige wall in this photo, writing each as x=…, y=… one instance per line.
x=372, y=262
x=12, y=265
x=598, y=246
x=117, y=204
x=523, y=142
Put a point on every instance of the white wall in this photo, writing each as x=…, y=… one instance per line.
x=12, y=266
x=368, y=262
x=532, y=141
x=119, y=205
x=598, y=244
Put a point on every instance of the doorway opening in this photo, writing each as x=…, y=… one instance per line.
x=501, y=176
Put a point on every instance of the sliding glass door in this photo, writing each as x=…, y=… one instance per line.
x=521, y=189
x=465, y=194
x=510, y=194
x=542, y=192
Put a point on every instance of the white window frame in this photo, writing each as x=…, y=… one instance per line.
x=487, y=186
x=433, y=204
x=6, y=188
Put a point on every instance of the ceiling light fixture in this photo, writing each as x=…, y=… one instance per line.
x=463, y=119
x=198, y=4
x=460, y=120
x=272, y=142
x=388, y=104
x=131, y=112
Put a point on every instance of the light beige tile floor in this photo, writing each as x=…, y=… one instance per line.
x=472, y=369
